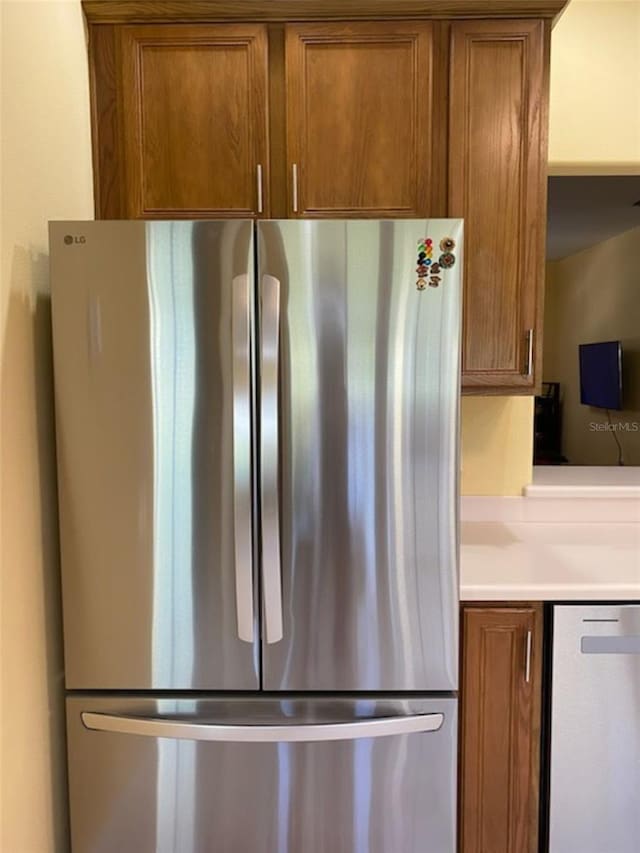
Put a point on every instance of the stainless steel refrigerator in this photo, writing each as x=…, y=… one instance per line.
x=257, y=433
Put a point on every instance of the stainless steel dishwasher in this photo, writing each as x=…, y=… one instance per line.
x=595, y=730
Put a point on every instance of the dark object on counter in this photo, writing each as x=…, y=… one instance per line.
x=547, y=445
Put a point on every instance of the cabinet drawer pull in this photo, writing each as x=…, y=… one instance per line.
x=294, y=181
x=529, y=366
x=527, y=660
x=259, y=181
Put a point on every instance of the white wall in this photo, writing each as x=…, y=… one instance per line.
x=595, y=89
x=46, y=174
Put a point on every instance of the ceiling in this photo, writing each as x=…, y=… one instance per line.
x=585, y=210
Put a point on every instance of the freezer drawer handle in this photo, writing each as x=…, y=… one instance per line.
x=183, y=730
x=269, y=438
x=243, y=558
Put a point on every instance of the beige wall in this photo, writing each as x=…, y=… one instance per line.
x=497, y=445
x=46, y=173
x=591, y=296
x=595, y=81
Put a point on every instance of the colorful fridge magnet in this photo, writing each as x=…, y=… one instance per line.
x=427, y=268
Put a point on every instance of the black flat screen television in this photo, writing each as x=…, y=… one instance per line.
x=601, y=374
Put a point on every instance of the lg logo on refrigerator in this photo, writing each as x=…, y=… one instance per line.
x=70, y=239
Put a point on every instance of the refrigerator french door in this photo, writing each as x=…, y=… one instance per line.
x=257, y=431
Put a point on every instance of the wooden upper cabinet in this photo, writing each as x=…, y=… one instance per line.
x=194, y=120
x=500, y=728
x=360, y=135
x=497, y=182
x=387, y=118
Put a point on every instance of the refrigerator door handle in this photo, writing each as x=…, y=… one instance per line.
x=307, y=732
x=269, y=497
x=243, y=558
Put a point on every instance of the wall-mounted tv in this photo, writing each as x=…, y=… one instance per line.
x=601, y=374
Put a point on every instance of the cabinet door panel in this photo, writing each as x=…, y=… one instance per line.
x=497, y=182
x=500, y=729
x=194, y=119
x=359, y=119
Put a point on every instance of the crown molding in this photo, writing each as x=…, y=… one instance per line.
x=208, y=11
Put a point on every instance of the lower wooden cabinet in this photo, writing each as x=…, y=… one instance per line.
x=501, y=687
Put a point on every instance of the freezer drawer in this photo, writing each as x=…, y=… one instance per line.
x=263, y=775
x=595, y=730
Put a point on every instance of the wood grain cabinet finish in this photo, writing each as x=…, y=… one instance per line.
x=194, y=120
x=360, y=135
x=497, y=182
x=380, y=118
x=500, y=728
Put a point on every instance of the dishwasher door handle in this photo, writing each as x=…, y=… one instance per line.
x=611, y=645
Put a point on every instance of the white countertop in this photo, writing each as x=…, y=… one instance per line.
x=550, y=548
x=584, y=481
x=509, y=559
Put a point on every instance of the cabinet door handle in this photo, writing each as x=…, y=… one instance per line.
x=294, y=182
x=527, y=659
x=259, y=181
x=529, y=365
